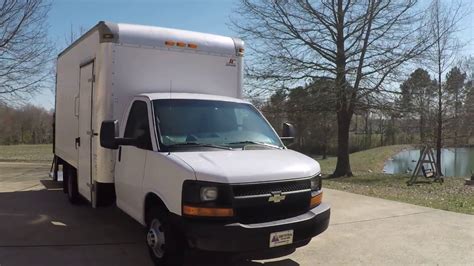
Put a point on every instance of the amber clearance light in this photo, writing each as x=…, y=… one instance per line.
x=316, y=200
x=192, y=45
x=181, y=44
x=170, y=43
x=207, y=212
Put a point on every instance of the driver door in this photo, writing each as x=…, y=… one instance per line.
x=130, y=163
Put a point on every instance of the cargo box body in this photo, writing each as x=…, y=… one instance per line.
x=99, y=74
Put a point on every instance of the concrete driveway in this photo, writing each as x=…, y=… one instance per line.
x=39, y=227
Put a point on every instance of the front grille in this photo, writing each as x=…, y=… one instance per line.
x=267, y=213
x=252, y=205
x=268, y=188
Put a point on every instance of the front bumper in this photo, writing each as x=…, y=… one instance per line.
x=255, y=238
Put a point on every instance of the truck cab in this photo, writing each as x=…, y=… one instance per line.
x=210, y=173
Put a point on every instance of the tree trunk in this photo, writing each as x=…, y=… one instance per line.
x=421, y=111
x=343, y=167
x=368, y=132
x=325, y=153
x=392, y=133
x=345, y=99
x=381, y=131
x=440, y=124
x=439, y=55
x=456, y=124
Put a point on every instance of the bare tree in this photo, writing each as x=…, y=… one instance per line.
x=74, y=34
x=27, y=124
x=360, y=45
x=443, y=20
x=25, y=52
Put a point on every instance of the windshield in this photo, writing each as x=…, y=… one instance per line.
x=186, y=122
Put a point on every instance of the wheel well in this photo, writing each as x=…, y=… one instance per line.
x=152, y=200
x=70, y=168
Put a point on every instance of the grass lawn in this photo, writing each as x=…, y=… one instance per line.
x=369, y=180
x=366, y=161
x=26, y=153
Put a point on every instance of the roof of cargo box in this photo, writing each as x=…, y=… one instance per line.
x=157, y=37
x=191, y=96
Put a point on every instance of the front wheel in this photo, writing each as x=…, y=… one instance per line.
x=164, y=244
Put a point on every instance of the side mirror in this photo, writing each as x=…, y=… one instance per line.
x=109, y=131
x=288, y=133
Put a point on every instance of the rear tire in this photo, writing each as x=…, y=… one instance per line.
x=165, y=245
x=65, y=178
x=72, y=191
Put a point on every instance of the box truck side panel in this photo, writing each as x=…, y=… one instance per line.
x=141, y=70
x=67, y=97
x=67, y=138
x=103, y=159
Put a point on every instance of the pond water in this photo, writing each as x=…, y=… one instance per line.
x=454, y=162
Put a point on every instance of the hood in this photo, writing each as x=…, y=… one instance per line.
x=243, y=166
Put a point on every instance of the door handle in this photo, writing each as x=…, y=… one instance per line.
x=92, y=133
x=120, y=153
x=77, y=142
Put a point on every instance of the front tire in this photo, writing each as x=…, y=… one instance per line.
x=164, y=243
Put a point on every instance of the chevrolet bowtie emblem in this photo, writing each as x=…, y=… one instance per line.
x=276, y=197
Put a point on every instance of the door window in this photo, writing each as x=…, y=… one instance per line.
x=137, y=125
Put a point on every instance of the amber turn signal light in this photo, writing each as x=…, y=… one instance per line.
x=207, y=212
x=316, y=200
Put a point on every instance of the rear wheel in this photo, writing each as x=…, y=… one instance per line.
x=72, y=191
x=164, y=243
x=65, y=178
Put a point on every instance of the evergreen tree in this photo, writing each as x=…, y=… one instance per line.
x=417, y=94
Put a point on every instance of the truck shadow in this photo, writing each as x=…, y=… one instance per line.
x=283, y=262
x=204, y=262
x=41, y=227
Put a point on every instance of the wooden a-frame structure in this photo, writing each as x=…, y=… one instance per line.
x=426, y=158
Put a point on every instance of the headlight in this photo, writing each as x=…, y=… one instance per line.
x=316, y=192
x=207, y=199
x=208, y=193
x=316, y=182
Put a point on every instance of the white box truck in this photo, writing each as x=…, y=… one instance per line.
x=153, y=120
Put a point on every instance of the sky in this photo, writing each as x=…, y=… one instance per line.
x=210, y=16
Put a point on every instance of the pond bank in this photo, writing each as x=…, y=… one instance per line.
x=454, y=162
x=369, y=180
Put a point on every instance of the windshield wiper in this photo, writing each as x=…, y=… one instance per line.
x=255, y=143
x=197, y=144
